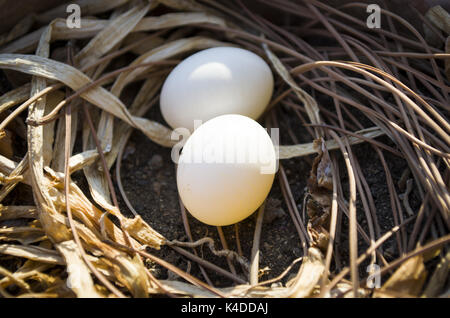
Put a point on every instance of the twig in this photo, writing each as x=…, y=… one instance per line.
x=254, y=262
x=352, y=216
x=209, y=265
x=187, y=229
x=225, y=246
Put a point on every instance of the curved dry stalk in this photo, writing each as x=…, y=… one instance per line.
x=306, y=67
x=418, y=251
x=415, y=55
x=254, y=260
x=209, y=265
x=187, y=229
x=225, y=247
x=384, y=32
x=119, y=177
x=359, y=136
x=366, y=254
x=292, y=208
x=25, y=105
x=420, y=216
x=278, y=278
x=238, y=241
x=352, y=216
x=415, y=32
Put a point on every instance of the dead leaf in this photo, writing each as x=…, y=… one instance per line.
x=319, y=197
x=440, y=18
x=142, y=232
x=6, y=143
x=308, y=275
x=79, y=279
x=408, y=279
x=439, y=277
x=35, y=253
x=300, y=150
x=23, y=234
x=14, y=97
x=310, y=104
x=12, y=212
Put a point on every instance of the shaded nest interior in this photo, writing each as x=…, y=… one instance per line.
x=360, y=206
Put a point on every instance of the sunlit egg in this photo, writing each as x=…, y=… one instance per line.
x=213, y=82
x=226, y=169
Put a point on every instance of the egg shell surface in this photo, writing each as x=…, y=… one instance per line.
x=213, y=82
x=226, y=169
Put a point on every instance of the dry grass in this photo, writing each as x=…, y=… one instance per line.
x=392, y=78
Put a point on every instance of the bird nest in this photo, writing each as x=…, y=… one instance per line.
x=364, y=109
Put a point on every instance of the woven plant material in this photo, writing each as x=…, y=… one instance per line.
x=72, y=97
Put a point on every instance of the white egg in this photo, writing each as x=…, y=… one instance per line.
x=226, y=169
x=213, y=82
